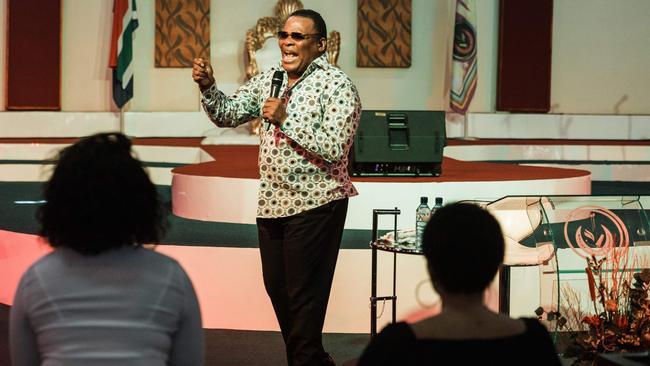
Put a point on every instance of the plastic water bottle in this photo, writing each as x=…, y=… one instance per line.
x=422, y=215
x=436, y=205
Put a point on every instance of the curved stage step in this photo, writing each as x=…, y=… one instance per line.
x=225, y=190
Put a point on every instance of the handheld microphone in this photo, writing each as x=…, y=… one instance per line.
x=276, y=83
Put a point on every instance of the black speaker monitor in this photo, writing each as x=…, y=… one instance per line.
x=399, y=143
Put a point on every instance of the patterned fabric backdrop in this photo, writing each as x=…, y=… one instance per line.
x=182, y=32
x=384, y=33
x=464, y=68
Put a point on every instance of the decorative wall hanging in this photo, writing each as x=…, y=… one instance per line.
x=33, y=55
x=182, y=32
x=525, y=56
x=384, y=33
x=464, y=66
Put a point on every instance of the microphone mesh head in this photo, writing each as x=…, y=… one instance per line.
x=277, y=76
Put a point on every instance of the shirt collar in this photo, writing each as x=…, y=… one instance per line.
x=320, y=61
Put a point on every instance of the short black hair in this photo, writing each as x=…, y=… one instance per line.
x=319, y=23
x=99, y=197
x=464, y=247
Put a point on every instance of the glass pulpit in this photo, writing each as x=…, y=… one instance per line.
x=569, y=257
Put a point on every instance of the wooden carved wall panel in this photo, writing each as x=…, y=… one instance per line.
x=182, y=32
x=384, y=33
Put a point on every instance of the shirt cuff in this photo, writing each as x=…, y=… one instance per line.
x=210, y=92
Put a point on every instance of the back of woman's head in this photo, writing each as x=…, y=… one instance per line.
x=99, y=197
x=464, y=247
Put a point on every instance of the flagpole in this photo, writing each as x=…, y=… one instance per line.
x=465, y=127
x=122, y=119
x=466, y=135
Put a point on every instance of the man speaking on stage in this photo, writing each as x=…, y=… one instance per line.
x=311, y=111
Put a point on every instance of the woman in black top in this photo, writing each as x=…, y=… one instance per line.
x=464, y=248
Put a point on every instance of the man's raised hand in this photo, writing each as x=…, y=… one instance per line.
x=202, y=73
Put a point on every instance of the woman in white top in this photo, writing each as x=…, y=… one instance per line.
x=100, y=298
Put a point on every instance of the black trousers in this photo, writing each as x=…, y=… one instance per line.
x=299, y=255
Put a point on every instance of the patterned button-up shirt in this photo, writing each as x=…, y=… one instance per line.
x=303, y=163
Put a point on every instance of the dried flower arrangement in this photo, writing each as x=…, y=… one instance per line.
x=620, y=321
x=620, y=318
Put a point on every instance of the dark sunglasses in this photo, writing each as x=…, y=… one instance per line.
x=297, y=36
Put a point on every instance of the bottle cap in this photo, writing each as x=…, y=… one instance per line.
x=438, y=200
x=424, y=200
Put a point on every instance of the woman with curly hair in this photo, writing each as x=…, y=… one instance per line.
x=101, y=298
